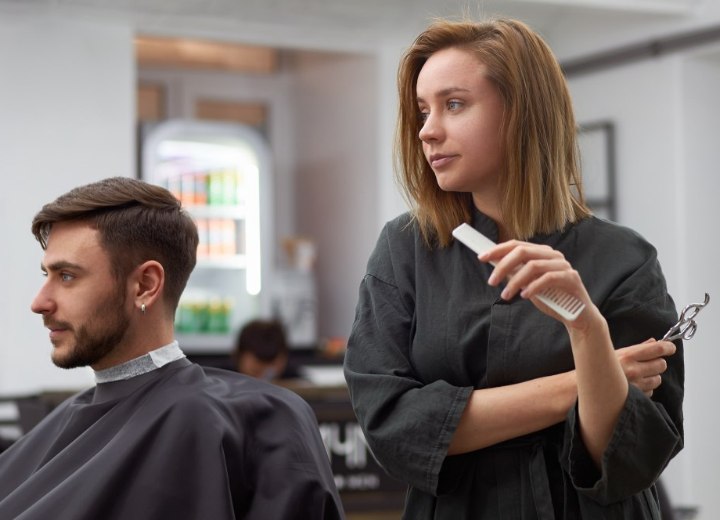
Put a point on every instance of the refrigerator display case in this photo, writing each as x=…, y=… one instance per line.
x=221, y=174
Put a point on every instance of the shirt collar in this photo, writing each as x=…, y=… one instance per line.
x=141, y=365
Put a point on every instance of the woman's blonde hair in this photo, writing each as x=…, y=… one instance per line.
x=540, y=185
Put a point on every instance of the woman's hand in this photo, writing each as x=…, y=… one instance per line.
x=530, y=269
x=602, y=384
x=644, y=363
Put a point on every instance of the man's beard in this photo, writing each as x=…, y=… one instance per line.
x=99, y=335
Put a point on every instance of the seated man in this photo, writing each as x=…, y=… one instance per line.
x=158, y=437
x=261, y=350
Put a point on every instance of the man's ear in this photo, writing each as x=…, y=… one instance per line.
x=148, y=283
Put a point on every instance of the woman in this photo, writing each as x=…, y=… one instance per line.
x=468, y=388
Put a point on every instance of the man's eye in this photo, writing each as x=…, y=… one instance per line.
x=66, y=277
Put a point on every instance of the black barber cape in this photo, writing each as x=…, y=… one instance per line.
x=181, y=442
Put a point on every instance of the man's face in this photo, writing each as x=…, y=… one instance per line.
x=251, y=365
x=81, y=302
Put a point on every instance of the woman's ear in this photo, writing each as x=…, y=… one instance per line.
x=148, y=283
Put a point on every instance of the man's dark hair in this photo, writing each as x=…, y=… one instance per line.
x=263, y=338
x=137, y=222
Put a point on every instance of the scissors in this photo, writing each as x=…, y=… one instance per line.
x=686, y=327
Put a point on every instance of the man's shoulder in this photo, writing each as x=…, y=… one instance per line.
x=208, y=390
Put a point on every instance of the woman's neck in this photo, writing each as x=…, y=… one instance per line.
x=490, y=207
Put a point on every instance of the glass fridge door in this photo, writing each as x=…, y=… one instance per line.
x=221, y=174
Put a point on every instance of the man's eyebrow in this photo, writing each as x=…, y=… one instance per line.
x=445, y=92
x=61, y=264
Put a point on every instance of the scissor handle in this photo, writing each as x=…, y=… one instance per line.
x=692, y=310
x=686, y=327
x=685, y=330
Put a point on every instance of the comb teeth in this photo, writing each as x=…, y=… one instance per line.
x=564, y=304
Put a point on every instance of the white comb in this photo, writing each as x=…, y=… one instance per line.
x=565, y=305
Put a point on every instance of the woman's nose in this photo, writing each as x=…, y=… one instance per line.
x=430, y=129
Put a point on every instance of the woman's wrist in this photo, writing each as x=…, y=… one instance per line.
x=590, y=325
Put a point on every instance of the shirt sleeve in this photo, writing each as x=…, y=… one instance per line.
x=649, y=431
x=408, y=424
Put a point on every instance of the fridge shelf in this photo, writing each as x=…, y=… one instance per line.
x=206, y=343
x=223, y=262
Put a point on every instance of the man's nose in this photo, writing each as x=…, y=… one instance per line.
x=42, y=303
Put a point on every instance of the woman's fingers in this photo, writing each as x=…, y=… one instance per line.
x=648, y=385
x=531, y=270
x=528, y=267
x=644, y=364
x=646, y=351
x=513, y=256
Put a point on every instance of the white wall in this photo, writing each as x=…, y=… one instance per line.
x=391, y=202
x=66, y=112
x=700, y=249
x=667, y=122
x=336, y=175
x=603, y=29
x=641, y=100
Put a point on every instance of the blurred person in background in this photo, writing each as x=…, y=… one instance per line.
x=261, y=350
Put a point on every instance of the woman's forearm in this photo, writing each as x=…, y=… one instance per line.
x=497, y=414
x=493, y=415
x=602, y=386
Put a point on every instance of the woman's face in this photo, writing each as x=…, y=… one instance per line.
x=462, y=112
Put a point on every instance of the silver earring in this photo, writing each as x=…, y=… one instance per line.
x=142, y=308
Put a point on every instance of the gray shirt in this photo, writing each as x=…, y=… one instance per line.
x=429, y=330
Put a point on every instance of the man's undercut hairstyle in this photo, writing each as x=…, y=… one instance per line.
x=137, y=221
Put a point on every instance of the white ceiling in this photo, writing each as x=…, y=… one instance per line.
x=342, y=24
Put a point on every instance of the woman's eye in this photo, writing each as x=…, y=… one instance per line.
x=454, y=105
x=422, y=116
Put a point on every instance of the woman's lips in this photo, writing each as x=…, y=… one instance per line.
x=438, y=160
